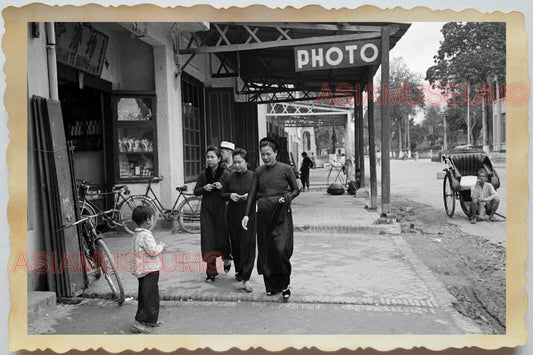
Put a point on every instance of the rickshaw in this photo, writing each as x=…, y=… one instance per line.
x=461, y=175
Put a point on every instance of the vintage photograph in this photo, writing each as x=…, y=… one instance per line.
x=267, y=178
x=391, y=164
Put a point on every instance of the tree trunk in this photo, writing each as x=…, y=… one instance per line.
x=399, y=138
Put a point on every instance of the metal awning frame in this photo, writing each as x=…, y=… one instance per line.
x=308, y=115
x=254, y=39
x=269, y=81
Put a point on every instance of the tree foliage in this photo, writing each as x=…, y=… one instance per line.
x=323, y=137
x=404, y=95
x=472, y=52
x=471, y=58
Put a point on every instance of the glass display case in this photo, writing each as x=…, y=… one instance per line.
x=135, y=136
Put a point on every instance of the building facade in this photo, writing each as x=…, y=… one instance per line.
x=132, y=108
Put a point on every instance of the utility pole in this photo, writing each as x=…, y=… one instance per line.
x=497, y=135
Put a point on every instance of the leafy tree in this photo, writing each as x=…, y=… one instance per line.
x=433, y=126
x=472, y=52
x=323, y=137
x=471, y=56
x=404, y=96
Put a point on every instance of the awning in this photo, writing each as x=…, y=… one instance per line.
x=262, y=55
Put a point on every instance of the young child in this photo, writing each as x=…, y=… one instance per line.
x=147, y=265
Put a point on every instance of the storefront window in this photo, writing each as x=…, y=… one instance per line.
x=192, y=98
x=135, y=138
x=134, y=109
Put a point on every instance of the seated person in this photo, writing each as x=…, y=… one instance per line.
x=485, y=201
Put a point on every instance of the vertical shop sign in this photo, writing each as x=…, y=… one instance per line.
x=81, y=46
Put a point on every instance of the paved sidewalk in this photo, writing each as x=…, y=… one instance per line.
x=317, y=211
x=346, y=265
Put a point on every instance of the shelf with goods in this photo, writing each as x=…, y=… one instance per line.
x=136, y=165
x=135, y=136
x=85, y=134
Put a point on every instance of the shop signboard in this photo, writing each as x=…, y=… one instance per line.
x=81, y=46
x=337, y=55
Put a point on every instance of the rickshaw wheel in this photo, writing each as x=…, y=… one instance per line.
x=448, y=196
x=465, y=206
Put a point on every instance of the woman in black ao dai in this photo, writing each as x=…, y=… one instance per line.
x=235, y=190
x=274, y=186
x=213, y=233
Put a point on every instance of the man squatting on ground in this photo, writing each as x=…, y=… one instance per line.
x=484, y=198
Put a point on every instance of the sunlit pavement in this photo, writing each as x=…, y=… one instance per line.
x=354, y=280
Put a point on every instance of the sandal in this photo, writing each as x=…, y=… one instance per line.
x=139, y=328
x=247, y=286
x=154, y=325
x=286, y=294
x=210, y=279
x=227, y=267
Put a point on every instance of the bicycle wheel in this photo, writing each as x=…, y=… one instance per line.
x=189, y=214
x=465, y=200
x=87, y=210
x=126, y=210
x=448, y=195
x=88, y=250
x=110, y=271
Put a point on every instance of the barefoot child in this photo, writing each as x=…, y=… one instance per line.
x=147, y=265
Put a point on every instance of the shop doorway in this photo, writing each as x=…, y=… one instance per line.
x=87, y=122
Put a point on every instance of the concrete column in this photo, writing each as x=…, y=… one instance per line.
x=261, y=127
x=313, y=141
x=169, y=125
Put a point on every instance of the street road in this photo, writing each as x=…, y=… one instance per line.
x=417, y=180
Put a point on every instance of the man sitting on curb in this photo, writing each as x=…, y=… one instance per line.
x=484, y=199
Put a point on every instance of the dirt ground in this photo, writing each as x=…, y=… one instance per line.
x=472, y=268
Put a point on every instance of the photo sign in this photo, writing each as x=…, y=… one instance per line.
x=337, y=55
x=80, y=46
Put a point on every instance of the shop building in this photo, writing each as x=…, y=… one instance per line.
x=137, y=100
x=132, y=107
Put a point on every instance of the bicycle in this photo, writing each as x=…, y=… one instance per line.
x=87, y=208
x=187, y=212
x=97, y=257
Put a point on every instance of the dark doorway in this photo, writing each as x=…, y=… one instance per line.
x=87, y=122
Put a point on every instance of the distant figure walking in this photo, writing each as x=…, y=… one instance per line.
x=307, y=164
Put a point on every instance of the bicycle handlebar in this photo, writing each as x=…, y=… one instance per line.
x=86, y=185
x=86, y=218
